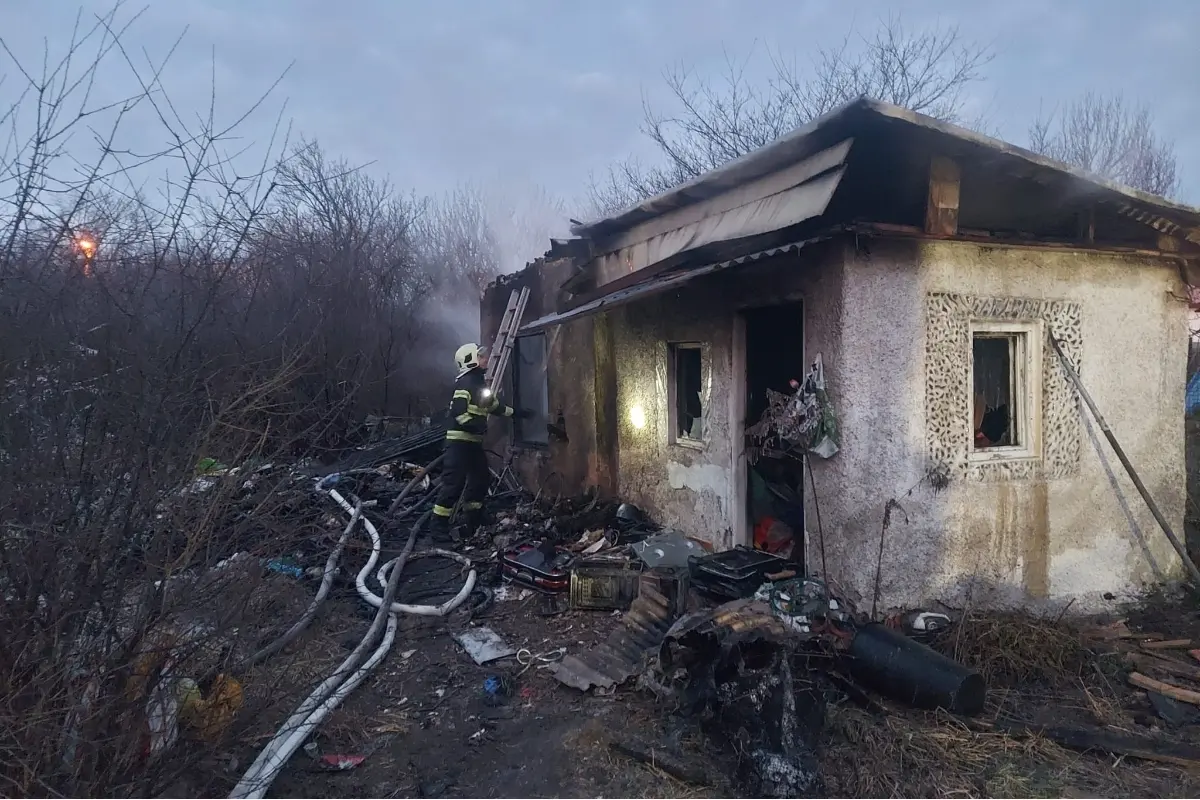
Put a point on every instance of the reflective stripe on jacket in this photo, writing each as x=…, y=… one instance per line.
x=470, y=407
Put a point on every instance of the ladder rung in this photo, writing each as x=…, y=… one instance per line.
x=506, y=334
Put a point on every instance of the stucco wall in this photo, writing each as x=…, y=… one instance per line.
x=1072, y=527
x=698, y=489
x=1036, y=537
x=686, y=486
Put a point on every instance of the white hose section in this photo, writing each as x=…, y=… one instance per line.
x=288, y=741
x=376, y=601
x=426, y=611
x=334, y=689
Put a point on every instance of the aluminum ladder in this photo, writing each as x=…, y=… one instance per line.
x=506, y=338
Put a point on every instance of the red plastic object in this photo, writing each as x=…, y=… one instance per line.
x=528, y=565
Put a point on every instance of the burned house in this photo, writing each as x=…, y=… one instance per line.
x=928, y=266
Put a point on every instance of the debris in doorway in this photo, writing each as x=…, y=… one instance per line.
x=667, y=549
x=773, y=536
x=802, y=421
x=483, y=644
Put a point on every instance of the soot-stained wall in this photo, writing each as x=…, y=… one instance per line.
x=699, y=489
x=889, y=318
x=560, y=467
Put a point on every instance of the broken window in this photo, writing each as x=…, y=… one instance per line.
x=530, y=390
x=1003, y=357
x=687, y=408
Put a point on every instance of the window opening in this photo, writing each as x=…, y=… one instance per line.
x=997, y=360
x=530, y=389
x=689, y=410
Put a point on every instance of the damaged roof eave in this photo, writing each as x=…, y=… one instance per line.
x=783, y=151
x=1164, y=215
x=657, y=284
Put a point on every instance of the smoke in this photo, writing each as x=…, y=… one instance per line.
x=524, y=220
x=471, y=235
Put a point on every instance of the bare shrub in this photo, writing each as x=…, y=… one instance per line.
x=242, y=312
x=1111, y=137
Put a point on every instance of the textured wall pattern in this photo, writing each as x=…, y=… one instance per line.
x=947, y=393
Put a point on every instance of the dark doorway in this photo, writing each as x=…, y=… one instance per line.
x=775, y=494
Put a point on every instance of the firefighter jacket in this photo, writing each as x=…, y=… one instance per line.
x=470, y=407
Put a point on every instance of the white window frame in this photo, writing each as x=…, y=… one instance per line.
x=1025, y=360
x=673, y=435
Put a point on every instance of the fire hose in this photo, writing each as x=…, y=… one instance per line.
x=354, y=670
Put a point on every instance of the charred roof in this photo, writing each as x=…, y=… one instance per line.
x=888, y=168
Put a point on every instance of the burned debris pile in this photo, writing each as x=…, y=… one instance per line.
x=785, y=682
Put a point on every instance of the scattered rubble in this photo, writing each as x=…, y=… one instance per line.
x=776, y=680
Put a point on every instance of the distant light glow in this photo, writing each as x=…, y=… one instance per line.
x=487, y=392
x=637, y=417
x=86, y=246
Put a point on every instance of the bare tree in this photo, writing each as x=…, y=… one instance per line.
x=714, y=122
x=525, y=218
x=472, y=234
x=232, y=311
x=460, y=242
x=1111, y=137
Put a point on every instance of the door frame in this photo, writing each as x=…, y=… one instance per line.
x=740, y=465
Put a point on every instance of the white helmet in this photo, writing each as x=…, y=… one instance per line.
x=467, y=356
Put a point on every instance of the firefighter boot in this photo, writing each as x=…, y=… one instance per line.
x=471, y=523
x=439, y=529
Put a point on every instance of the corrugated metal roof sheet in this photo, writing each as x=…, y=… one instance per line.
x=618, y=657
x=656, y=285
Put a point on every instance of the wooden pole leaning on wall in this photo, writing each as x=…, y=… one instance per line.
x=1133, y=475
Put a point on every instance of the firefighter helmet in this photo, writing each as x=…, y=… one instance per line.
x=468, y=356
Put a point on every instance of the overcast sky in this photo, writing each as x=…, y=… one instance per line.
x=522, y=93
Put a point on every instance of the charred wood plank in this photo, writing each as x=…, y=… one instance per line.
x=658, y=757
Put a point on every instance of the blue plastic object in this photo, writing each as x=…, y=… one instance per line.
x=284, y=568
x=1192, y=403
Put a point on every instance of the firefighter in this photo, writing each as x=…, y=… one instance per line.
x=465, y=470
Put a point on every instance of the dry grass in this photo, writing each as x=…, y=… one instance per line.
x=934, y=755
x=595, y=768
x=1014, y=648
